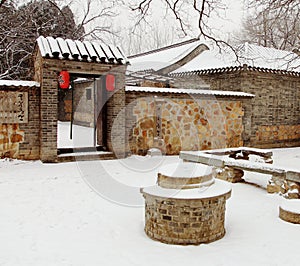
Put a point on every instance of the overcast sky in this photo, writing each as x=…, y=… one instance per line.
x=230, y=21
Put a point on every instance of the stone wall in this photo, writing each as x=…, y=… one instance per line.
x=21, y=140
x=274, y=112
x=181, y=122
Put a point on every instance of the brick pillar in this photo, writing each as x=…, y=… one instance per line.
x=49, y=106
x=116, y=115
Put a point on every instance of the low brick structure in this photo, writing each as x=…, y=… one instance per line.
x=187, y=176
x=189, y=216
x=289, y=211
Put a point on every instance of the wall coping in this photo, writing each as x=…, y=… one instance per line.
x=18, y=83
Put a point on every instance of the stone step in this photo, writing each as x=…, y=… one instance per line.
x=85, y=156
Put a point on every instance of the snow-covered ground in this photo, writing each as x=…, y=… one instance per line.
x=64, y=141
x=78, y=214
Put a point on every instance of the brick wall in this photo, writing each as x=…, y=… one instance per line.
x=185, y=221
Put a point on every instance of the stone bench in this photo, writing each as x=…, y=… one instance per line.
x=282, y=181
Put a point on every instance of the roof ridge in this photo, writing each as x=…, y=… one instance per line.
x=234, y=69
x=165, y=48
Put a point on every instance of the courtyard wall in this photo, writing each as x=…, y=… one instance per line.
x=175, y=122
x=274, y=117
x=20, y=121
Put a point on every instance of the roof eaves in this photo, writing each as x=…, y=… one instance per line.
x=164, y=48
x=182, y=61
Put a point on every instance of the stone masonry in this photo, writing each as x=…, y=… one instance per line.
x=183, y=123
x=273, y=119
x=179, y=221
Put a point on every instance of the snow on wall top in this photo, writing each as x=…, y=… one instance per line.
x=83, y=51
x=249, y=54
x=18, y=83
x=188, y=91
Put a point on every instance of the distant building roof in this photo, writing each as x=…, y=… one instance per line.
x=163, y=57
x=18, y=83
x=77, y=50
x=188, y=91
x=254, y=56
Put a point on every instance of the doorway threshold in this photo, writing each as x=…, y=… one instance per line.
x=83, y=154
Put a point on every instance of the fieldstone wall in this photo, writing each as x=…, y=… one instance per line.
x=179, y=122
x=10, y=138
x=21, y=140
x=274, y=112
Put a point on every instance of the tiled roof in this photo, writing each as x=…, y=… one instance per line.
x=83, y=51
x=18, y=83
x=256, y=58
x=250, y=57
x=133, y=78
x=188, y=91
x=223, y=70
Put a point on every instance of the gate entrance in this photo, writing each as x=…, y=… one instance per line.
x=82, y=115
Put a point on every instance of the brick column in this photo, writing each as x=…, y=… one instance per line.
x=116, y=115
x=49, y=106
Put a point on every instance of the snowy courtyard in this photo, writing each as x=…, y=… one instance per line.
x=82, y=213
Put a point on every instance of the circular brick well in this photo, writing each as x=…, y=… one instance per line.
x=192, y=215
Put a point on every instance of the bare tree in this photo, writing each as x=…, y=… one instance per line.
x=21, y=25
x=273, y=24
x=192, y=17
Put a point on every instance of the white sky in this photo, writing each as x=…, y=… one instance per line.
x=166, y=32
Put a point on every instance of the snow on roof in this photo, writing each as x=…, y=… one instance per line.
x=18, y=83
x=249, y=54
x=163, y=57
x=188, y=91
x=77, y=50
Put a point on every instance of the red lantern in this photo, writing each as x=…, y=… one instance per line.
x=64, y=79
x=110, y=82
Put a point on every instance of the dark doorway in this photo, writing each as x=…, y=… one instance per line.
x=81, y=115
